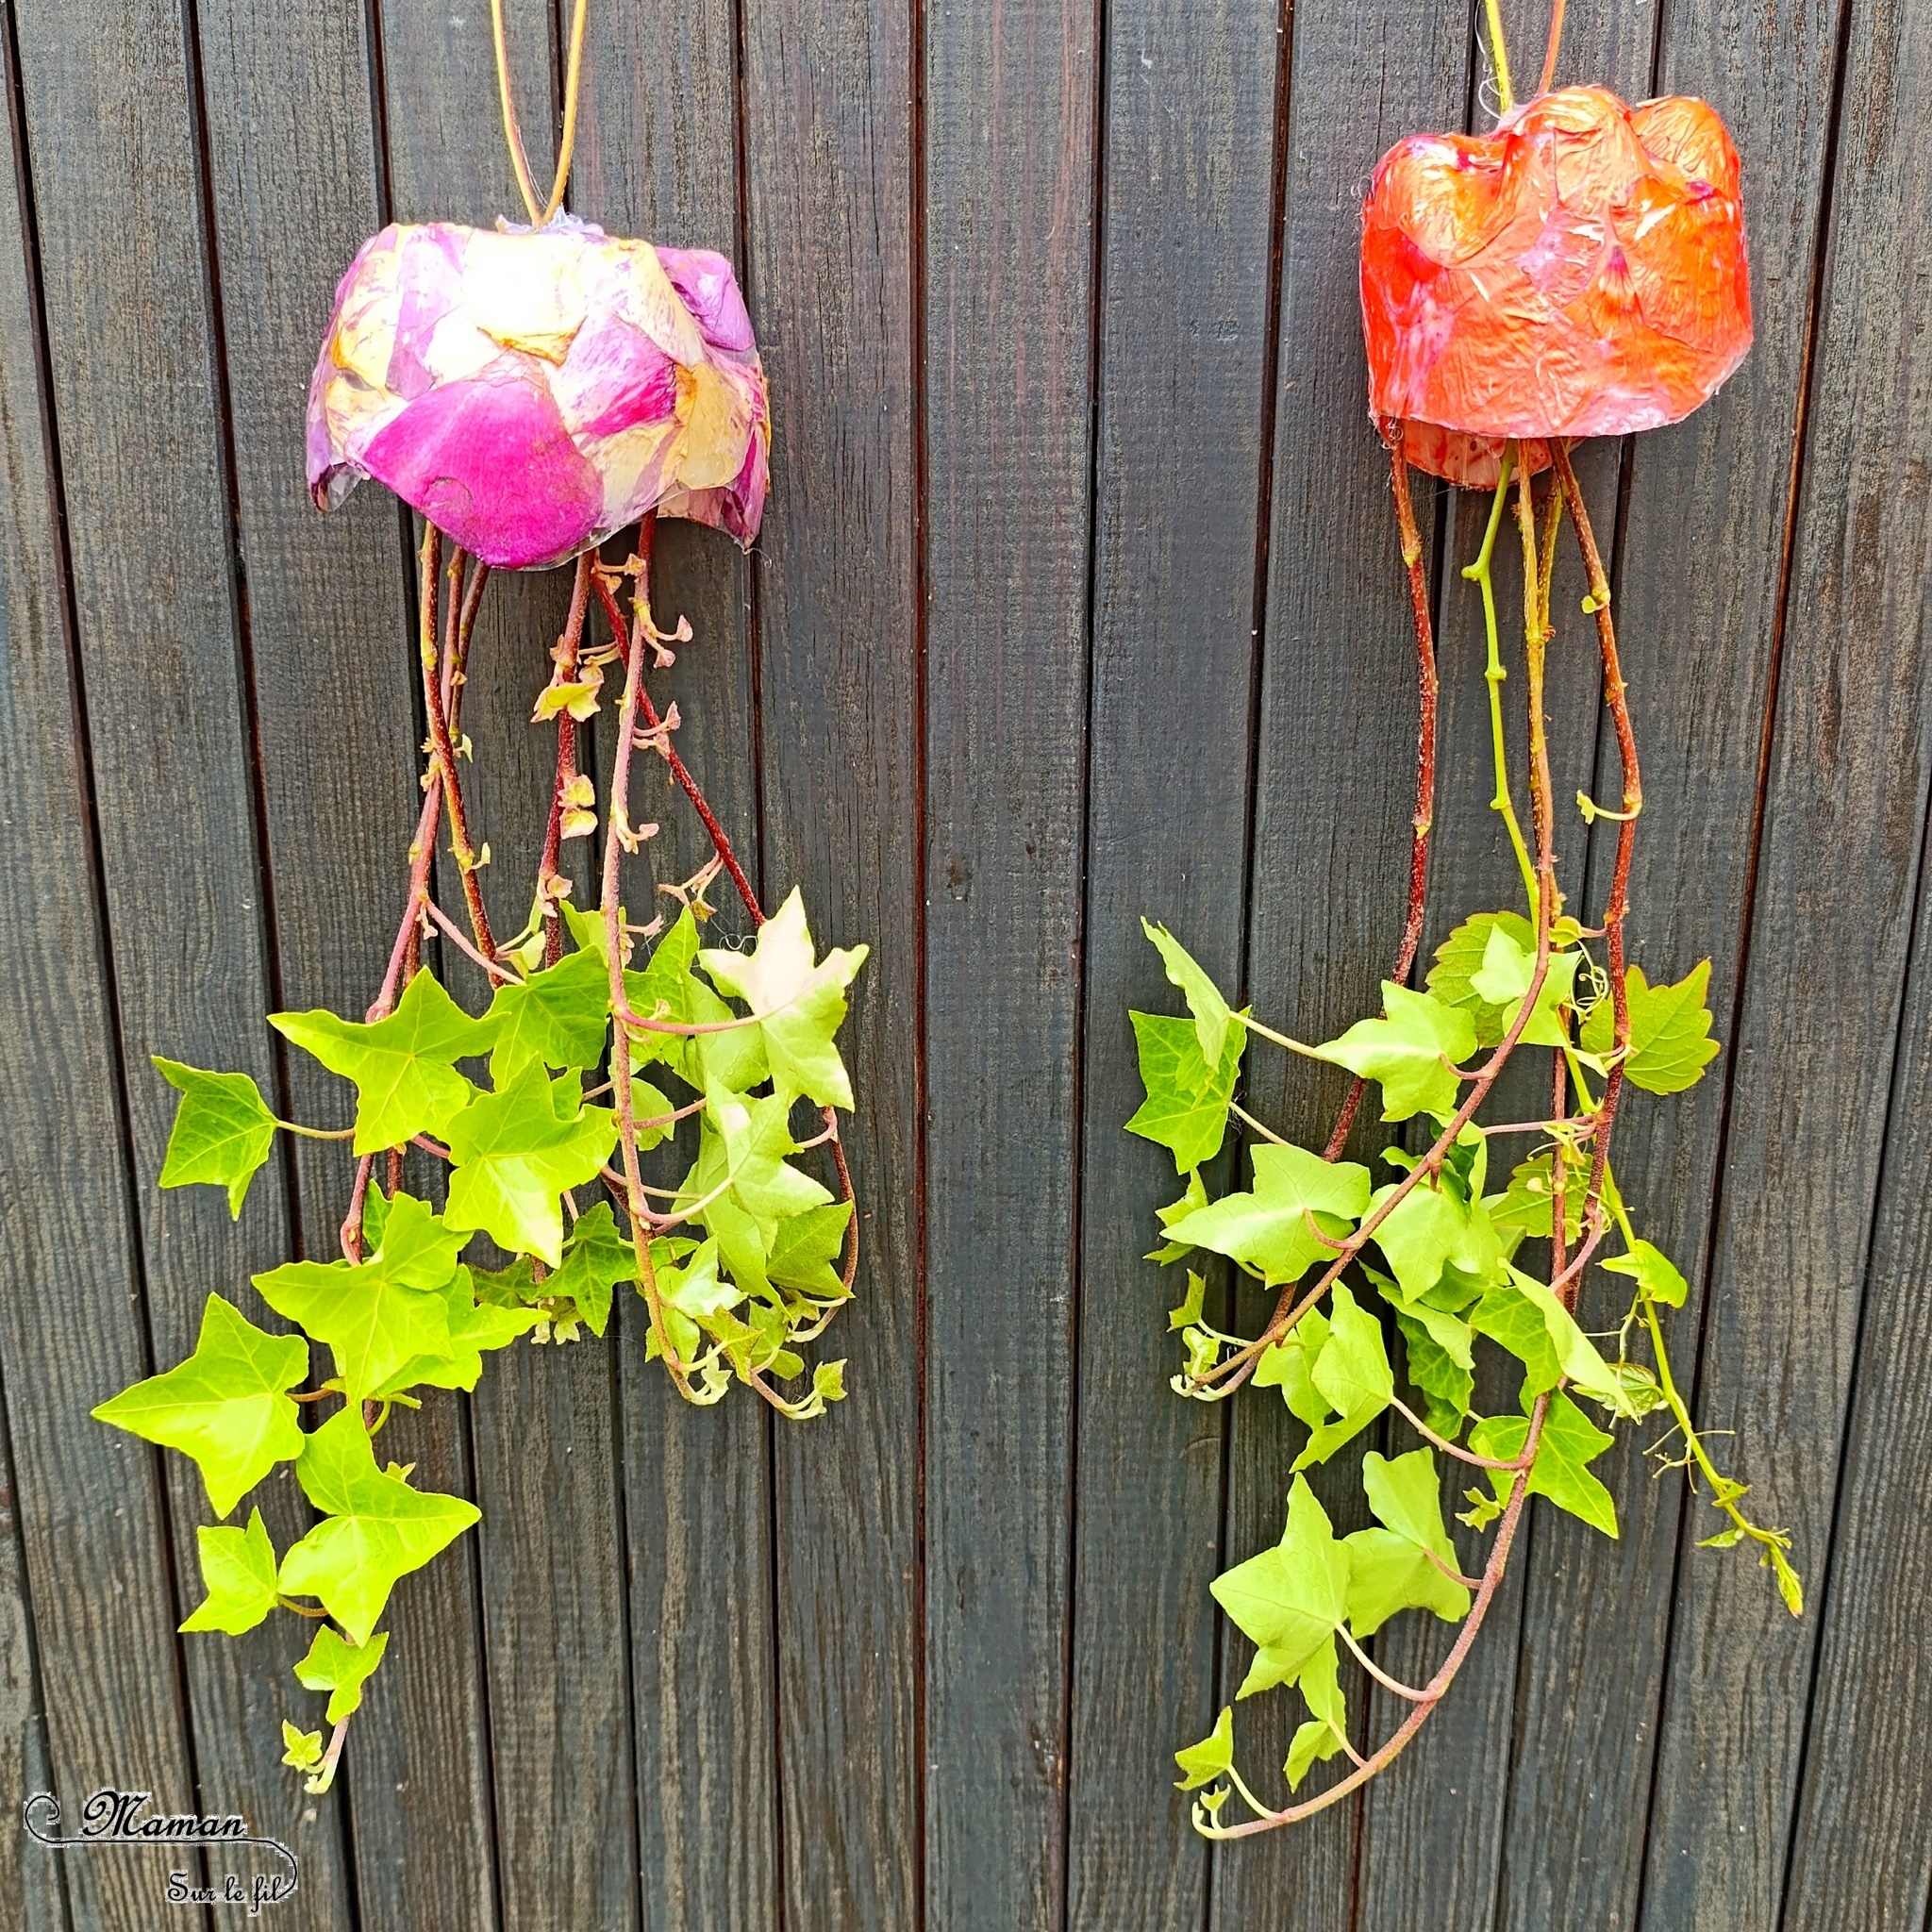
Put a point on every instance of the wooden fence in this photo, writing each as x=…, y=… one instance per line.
x=1077, y=598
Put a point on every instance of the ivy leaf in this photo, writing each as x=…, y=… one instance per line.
x=1390, y=1568
x=695, y=1297
x=301, y=1750
x=474, y=1322
x=799, y=1001
x=1527, y=1319
x=221, y=1134
x=741, y=1161
x=1433, y=1229
x=376, y=1527
x=648, y=1104
x=1202, y=1763
x=595, y=1258
x=1268, y=1229
x=238, y=1568
x=1412, y=1052
x=1352, y=1376
x=1570, y=1441
x=1527, y=1206
x=382, y=1313
x=1442, y=1371
x=342, y=1668
x=512, y=1156
x=405, y=1082
x=557, y=1016
x=1670, y=1030
x=1172, y=1215
x=1460, y=958
x=806, y=1251
x=1320, y=1683
x=1288, y=1600
x=1186, y=1108
x=1503, y=981
x=1212, y=1018
x=224, y=1405
x=668, y=990
x=1657, y=1280
x=1286, y=1367
x=1190, y=1310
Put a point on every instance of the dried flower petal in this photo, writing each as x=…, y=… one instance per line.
x=531, y=394
x=1580, y=272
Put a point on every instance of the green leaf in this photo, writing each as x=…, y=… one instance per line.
x=238, y=1568
x=1442, y=1371
x=1268, y=1229
x=1212, y=1018
x=557, y=1016
x=513, y=1153
x=694, y=1297
x=1390, y=1568
x=382, y=1313
x=224, y=1405
x=1412, y=1052
x=405, y=1082
x=596, y=1259
x=1460, y=958
x=301, y=1750
x=1570, y=1441
x=1670, y=1030
x=1433, y=1229
x=474, y=1324
x=1186, y=1108
x=668, y=990
x=799, y=1000
x=1527, y=1206
x=1320, y=1683
x=376, y=1527
x=1657, y=1280
x=741, y=1159
x=1504, y=980
x=1202, y=1763
x=806, y=1249
x=342, y=1668
x=1351, y=1373
x=648, y=1104
x=223, y=1131
x=1288, y=1600
x=1527, y=1319
x=1170, y=1216
x=1190, y=1310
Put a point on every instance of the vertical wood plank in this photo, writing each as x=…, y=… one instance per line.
x=1184, y=330
x=659, y=158
x=330, y=656
x=828, y=89
x=1860, y=1855
x=1697, y=636
x=1819, y=1009
x=1335, y=765
x=137, y=405
x=1010, y=99
x=559, y=1806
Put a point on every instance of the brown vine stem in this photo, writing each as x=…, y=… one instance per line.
x=721, y=844
x=1427, y=691
x=566, y=659
x=615, y=820
x=443, y=754
x=1618, y=908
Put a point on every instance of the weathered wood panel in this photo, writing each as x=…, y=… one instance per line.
x=829, y=160
x=1187, y=250
x=1819, y=1012
x=1009, y=100
x=659, y=155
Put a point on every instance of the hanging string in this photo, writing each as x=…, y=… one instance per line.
x=541, y=213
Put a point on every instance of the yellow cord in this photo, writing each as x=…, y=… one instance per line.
x=542, y=215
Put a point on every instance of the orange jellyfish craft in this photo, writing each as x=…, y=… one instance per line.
x=1580, y=272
